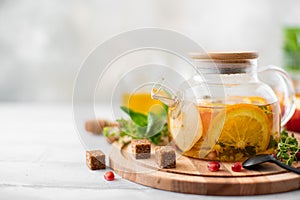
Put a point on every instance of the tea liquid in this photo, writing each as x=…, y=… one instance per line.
x=139, y=102
x=236, y=132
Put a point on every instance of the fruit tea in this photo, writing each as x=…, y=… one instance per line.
x=139, y=102
x=234, y=132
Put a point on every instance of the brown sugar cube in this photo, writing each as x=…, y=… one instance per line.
x=93, y=126
x=165, y=157
x=141, y=149
x=95, y=159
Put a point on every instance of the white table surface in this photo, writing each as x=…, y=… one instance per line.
x=41, y=157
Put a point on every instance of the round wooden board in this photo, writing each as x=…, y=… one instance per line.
x=192, y=175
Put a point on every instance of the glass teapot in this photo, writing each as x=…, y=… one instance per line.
x=226, y=111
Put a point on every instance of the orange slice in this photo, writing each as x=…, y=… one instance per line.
x=239, y=126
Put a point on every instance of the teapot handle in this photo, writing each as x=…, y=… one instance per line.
x=288, y=100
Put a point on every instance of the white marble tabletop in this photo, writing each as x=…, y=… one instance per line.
x=41, y=157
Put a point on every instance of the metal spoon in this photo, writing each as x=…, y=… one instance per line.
x=256, y=160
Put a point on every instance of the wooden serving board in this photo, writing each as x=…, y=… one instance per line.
x=192, y=176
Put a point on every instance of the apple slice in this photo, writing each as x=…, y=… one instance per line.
x=186, y=129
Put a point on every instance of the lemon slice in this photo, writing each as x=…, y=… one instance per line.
x=239, y=126
x=186, y=129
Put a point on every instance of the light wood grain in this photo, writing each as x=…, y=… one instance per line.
x=192, y=176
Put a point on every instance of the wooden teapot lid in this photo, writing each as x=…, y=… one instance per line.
x=225, y=56
x=227, y=62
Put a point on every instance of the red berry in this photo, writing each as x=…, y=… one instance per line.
x=109, y=176
x=213, y=166
x=237, y=167
x=275, y=156
x=298, y=156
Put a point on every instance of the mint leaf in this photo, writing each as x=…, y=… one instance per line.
x=165, y=107
x=156, y=123
x=156, y=139
x=152, y=126
x=128, y=127
x=138, y=118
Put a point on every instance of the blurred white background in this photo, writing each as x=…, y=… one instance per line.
x=44, y=42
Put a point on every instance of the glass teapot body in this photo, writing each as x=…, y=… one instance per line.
x=226, y=112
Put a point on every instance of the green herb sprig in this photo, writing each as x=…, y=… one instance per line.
x=152, y=126
x=287, y=148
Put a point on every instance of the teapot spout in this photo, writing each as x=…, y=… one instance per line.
x=161, y=93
